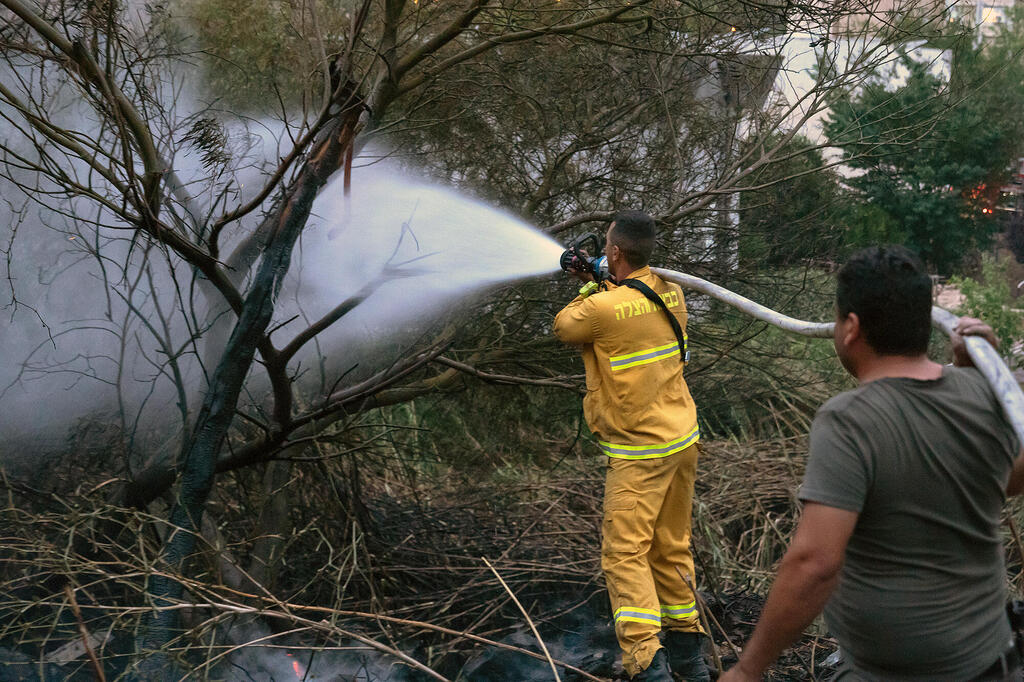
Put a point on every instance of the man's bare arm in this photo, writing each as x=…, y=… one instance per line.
x=1016, y=484
x=808, y=574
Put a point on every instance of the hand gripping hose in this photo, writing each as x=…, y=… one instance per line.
x=985, y=357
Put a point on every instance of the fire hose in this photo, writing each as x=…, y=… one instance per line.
x=985, y=357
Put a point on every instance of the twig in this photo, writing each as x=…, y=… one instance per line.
x=504, y=378
x=711, y=616
x=768, y=518
x=554, y=671
x=814, y=648
x=1016, y=540
x=84, y=632
x=704, y=617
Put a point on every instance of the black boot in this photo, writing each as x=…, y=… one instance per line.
x=657, y=671
x=685, y=655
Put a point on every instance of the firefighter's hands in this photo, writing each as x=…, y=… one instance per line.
x=970, y=326
x=581, y=275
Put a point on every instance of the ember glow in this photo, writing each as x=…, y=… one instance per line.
x=299, y=673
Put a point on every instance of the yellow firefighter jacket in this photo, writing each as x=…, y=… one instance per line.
x=637, y=403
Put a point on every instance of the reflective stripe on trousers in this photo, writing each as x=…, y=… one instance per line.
x=650, y=451
x=679, y=611
x=635, y=614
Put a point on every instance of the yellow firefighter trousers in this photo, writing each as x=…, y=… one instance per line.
x=645, y=552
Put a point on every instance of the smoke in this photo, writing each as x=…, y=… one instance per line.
x=101, y=324
x=278, y=659
x=581, y=634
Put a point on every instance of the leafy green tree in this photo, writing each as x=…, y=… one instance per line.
x=933, y=152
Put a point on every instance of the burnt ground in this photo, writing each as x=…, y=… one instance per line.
x=585, y=639
x=737, y=612
x=412, y=551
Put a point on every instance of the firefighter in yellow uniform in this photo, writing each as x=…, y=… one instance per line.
x=640, y=409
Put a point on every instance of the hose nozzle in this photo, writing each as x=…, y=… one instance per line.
x=576, y=257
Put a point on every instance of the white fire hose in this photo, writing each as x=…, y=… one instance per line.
x=985, y=357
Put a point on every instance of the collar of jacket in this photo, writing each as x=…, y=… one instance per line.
x=643, y=272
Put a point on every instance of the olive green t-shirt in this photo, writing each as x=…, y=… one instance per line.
x=925, y=465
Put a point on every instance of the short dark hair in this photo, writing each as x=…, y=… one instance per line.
x=891, y=293
x=634, y=234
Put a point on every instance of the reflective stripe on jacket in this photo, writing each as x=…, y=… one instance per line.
x=637, y=402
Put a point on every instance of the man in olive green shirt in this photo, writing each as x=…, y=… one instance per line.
x=907, y=474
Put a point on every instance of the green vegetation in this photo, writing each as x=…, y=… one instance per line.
x=260, y=53
x=933, y=153
x=989, y=298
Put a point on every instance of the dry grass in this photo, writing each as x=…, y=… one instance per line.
x=746, y=509
x=392, y=564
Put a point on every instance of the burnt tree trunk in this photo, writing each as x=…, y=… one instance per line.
x=198, y=466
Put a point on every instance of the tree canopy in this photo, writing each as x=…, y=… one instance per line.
x=930, y=154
